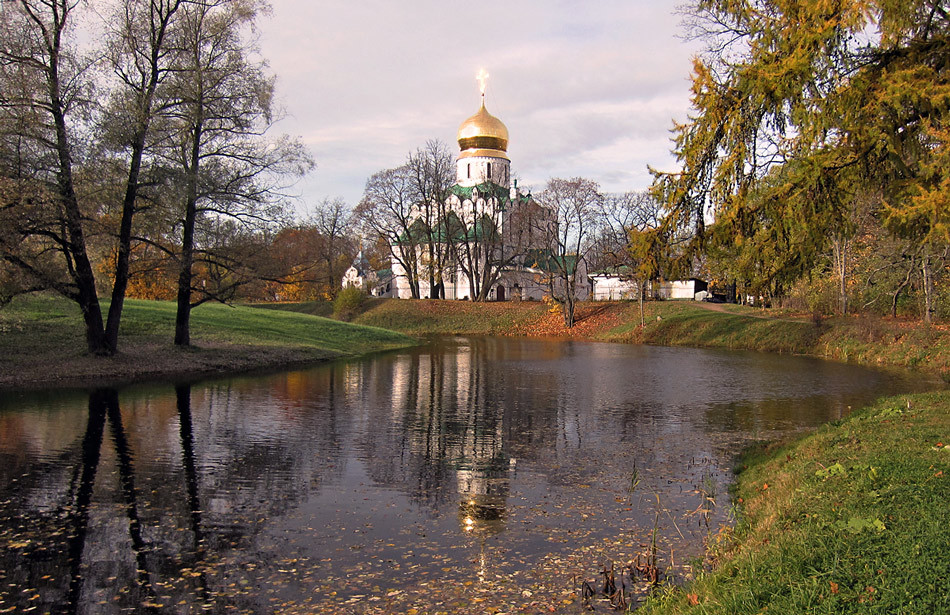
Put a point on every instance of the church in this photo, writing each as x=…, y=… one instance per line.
x=492, y=241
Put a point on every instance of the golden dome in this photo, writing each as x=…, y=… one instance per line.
x=483, y=131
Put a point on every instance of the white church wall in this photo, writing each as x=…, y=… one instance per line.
x=474, y=170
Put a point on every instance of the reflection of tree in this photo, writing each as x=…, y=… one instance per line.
x=127, y=477
x=186, y=432
x=79, y=515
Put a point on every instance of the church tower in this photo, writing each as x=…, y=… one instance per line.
x=483, y=141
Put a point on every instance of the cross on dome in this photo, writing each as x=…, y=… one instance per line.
x=482, y=78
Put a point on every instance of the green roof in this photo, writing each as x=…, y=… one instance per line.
x=450, y=228
x=487, y=189
x=549, y=262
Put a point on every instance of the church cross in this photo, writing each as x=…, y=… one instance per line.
x=482, y=78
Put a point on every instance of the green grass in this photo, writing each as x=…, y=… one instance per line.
x=851, y=519
x=43, y=341
x=425, y=318
x=864, y=340
x=686, y=324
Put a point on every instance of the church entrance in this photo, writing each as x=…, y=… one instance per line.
x=501, y=293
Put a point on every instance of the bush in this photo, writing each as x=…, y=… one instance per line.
x=348, y=302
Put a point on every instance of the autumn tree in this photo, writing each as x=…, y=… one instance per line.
x=313, y=254
x=802, y=108
x=331, y=219
x=575, y=204
x=644, y=254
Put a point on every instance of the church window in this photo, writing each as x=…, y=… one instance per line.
x=488, y=173
x=468, y=170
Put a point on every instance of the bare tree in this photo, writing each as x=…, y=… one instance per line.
x=628, y=242
x=478, y=229
x=331, y=220
x=575, y=203
x=387, y=211
x=140, y=58
x=618, y=214
x=43, y=85
x=229, y=168
x=433, y=174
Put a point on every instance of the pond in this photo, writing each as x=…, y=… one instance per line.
x=471, y=475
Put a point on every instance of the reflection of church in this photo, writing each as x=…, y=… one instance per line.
x=489, y=224
x=483, y=479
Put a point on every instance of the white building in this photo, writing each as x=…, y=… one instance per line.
x=491, y=226
x=361, y=275
x=680, y=289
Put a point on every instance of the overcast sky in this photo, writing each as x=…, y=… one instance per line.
x=586, y=88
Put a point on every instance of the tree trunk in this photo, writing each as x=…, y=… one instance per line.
x=928, y=288
x=640, y=294
x=185, y=273
x=900, y=288
x=568, y=309
x=159, y=22
x=185, y=276
x=840, y=254
x=121, y=282
x=86, y=296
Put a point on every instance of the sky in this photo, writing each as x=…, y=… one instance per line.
x=586, y=88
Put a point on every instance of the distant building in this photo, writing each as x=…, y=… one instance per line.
x=680, y=289
x=362, y=275
x=615, y=285
x=488, y=216
x=612, y=285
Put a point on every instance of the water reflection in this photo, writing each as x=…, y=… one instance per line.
x=407, y=475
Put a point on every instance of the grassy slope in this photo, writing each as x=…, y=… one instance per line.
x=42, y=342
x=870, y=341
x=851, y=519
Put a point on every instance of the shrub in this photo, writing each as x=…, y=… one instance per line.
x=348, y=302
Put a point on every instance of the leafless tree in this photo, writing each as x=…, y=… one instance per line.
x=387, y=212
x=229, y=168
x=331, y=220
x=433, y=174
x=140, y=57
x=44, y=86
x=575, y=203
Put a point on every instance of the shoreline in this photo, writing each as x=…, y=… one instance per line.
x=145, y=356
x=165, y=365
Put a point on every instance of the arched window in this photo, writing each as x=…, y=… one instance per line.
x=488, y=172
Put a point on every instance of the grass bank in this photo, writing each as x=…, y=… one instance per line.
x=42, y=342
x=850, y=519
x=865, y=340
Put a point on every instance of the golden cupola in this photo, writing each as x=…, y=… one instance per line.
x=483, y=134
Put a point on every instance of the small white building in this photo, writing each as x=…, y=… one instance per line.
x=375, y=283
x=680, y=289
x=612, y=286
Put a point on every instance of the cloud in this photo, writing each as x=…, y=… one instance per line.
x=585, y=89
